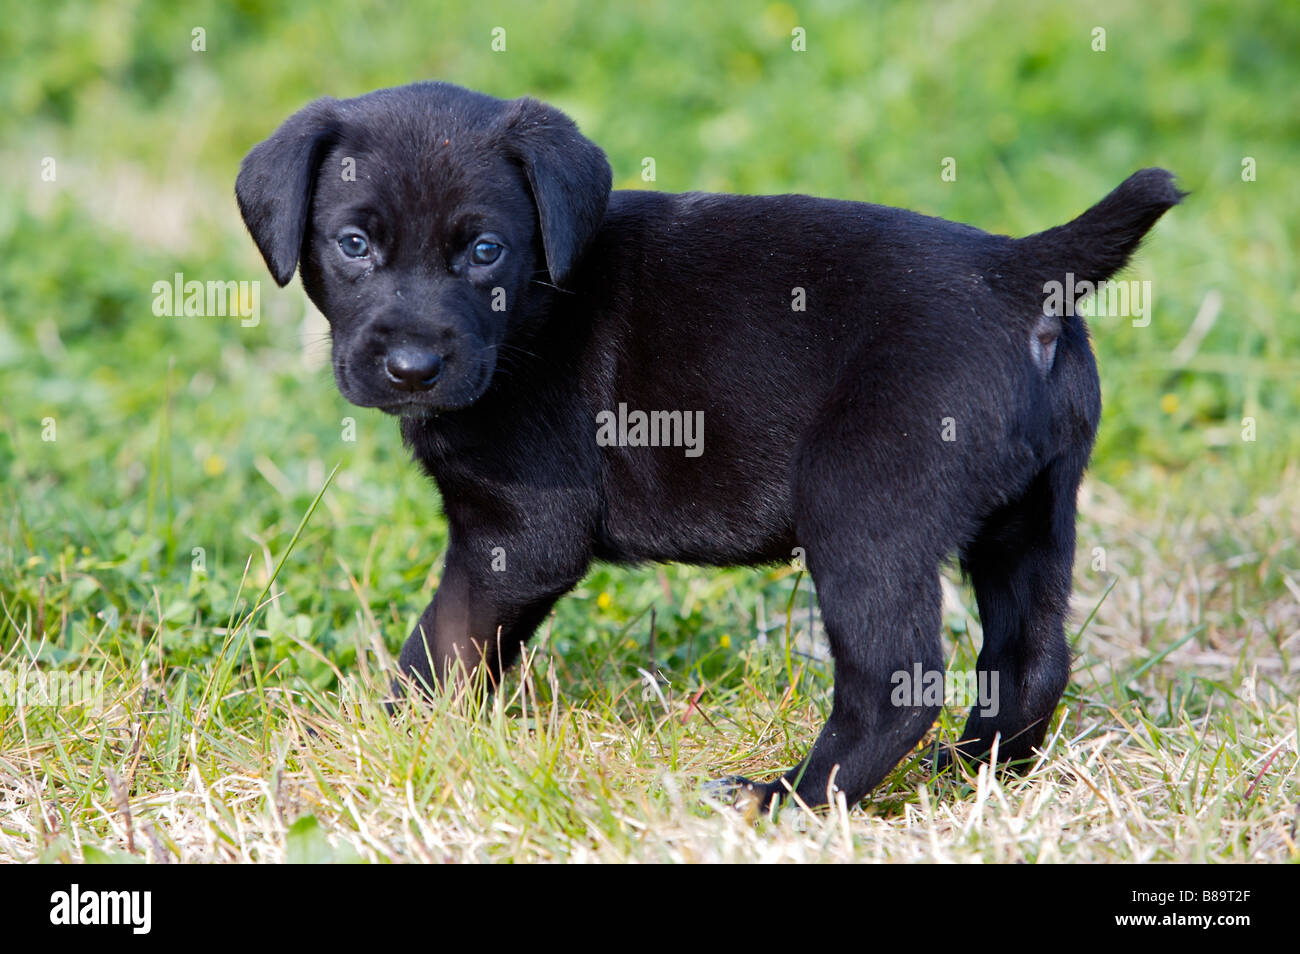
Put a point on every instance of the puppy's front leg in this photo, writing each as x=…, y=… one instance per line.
x=476, y=618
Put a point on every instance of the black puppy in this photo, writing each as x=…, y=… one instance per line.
x=711, y=379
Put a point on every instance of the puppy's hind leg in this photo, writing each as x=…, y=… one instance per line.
x=1020, y=565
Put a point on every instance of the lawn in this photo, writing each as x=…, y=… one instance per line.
x=194, y=523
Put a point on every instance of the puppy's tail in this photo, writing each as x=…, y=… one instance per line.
x=1098, y=243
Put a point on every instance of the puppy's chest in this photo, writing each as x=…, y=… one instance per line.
x=644, y=496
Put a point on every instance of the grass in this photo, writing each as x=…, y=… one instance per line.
x=165, y=524
x=1176, y=741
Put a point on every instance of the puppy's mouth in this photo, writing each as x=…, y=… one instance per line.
x=453, y=391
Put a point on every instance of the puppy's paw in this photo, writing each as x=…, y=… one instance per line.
x=725, y=789
x=938, y=760
x=964, y=762
x=750, y=798
x=397, y=696
x=951, y=760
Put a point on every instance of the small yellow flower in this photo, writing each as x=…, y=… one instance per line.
x=1169, y=403
x=604, y=600
x=779, y=19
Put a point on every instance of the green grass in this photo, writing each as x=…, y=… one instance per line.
x=241, y=718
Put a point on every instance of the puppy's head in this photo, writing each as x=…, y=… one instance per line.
x=427, y=221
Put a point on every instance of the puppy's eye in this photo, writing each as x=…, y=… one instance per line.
x=485, y=252
x=354, y=245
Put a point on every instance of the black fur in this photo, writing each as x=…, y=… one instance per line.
x=823, y=428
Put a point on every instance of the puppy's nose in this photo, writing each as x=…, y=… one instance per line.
x=413, y=369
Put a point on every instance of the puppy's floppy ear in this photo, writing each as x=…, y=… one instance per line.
x=275, y=182
x=569, y=175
